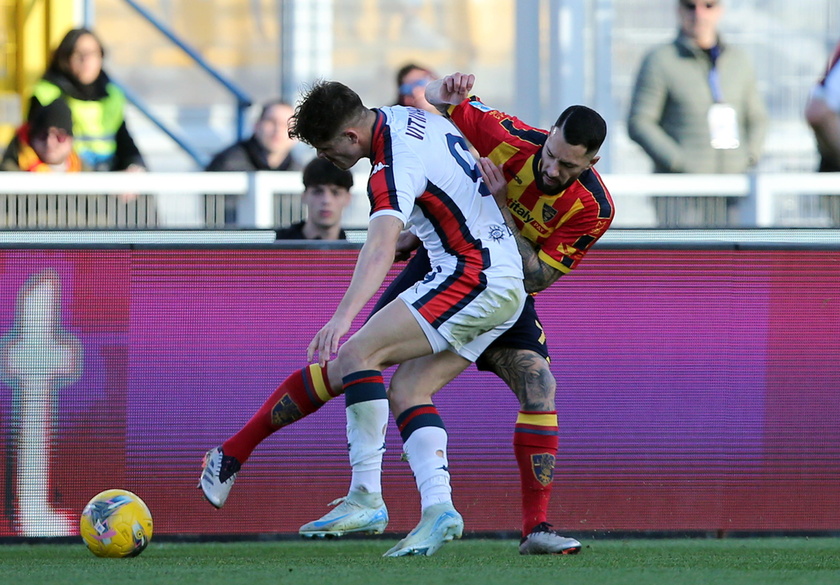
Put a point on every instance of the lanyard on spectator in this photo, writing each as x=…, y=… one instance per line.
x=714, y=75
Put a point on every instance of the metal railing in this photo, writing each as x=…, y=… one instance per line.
x=269, y=199
x=243, y=101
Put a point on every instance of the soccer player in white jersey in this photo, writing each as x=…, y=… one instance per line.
x=423, y=178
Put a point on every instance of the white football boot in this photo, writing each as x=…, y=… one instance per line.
x=439, y=524
x=543, y=540
x=218, y=476
x=357, y=512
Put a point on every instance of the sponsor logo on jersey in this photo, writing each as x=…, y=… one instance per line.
x=416, y=127
x=479, y=106
x=378, y=167
x=522, y=212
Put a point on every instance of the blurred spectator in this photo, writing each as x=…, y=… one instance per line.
x=268, y=149
x=326, y=195
x=45, y=144
x=75, y=75
x=696, y=107
x=823, y=115
x=412, y=80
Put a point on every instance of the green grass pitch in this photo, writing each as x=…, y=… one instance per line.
x=732, y=561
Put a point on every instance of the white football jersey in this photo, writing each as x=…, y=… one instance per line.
x=423, y=173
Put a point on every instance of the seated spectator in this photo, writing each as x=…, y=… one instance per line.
x=326, y=194
x=75, y=75
x=412, y=80
x=45, y=144
x=268, y=149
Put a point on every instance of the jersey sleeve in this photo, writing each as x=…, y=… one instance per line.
x=568, y=244
x=397, y=179
x=491, y=131
x=480, y=124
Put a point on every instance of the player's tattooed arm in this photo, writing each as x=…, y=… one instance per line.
x=538, y=274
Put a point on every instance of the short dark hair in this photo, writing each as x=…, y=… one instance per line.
x=56, y=114
x=324, y=111
x=320, y=171
x=583, y=126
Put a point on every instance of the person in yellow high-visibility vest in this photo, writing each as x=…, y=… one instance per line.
x=75, y=75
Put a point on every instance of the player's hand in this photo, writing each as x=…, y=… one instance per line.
x=456, y=87
x=406, y=244
x=494, y=178
x=325, y=342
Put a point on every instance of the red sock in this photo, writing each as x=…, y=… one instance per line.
x=535, y=444
x=299, y=395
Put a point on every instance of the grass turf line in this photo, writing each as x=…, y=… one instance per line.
x=753, y=561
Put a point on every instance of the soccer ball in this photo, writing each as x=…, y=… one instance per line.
x=116, y=524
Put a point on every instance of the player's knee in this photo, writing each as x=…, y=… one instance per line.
x=352, y=357
x=540, y=376
x=540, y=387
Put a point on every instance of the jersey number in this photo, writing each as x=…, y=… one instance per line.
x=459, y=149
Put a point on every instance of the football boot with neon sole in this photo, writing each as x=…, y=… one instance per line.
x=543, y=540
x=357, y=512
x=218, y=476
x=439, y=524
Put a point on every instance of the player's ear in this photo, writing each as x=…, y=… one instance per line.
x=352, y=135
x=594, y=160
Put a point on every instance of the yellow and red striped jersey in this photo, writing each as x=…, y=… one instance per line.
x=564, y=226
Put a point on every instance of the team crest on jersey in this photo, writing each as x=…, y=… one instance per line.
x=543, y=466
x=548, y=213
x=497, y=232
x=285, y=411
x=479, y=106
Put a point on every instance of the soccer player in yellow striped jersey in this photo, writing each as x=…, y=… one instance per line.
x=555, y=196
x=557, y=206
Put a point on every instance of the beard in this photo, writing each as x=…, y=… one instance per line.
x=551, y=188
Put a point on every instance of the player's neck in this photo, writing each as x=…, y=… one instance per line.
x=366, y=127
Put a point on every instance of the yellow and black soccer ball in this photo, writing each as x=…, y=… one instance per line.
x=116, y=524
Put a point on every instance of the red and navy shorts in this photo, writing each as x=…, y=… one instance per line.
x=527, y=333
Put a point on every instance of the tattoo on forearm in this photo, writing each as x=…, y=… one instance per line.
x=538, y=276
